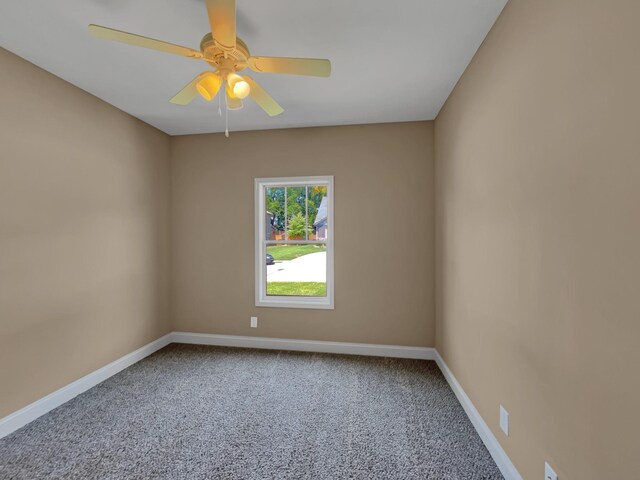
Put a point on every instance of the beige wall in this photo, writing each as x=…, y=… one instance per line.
x=83, y=233
x=383, y=184
x=538, y=235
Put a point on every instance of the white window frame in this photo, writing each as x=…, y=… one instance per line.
x=262, y=299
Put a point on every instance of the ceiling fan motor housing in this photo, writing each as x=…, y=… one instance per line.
x=224, y=60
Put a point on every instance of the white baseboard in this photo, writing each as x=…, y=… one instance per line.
x=38, y=408
x=507, y=468
x=396, y=351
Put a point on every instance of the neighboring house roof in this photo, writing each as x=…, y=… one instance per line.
x=321, y=215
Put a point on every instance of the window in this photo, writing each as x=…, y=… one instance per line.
x=294, y=242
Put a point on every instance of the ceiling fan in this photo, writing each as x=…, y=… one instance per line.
x=228, y=55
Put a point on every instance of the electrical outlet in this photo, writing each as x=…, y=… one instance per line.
x=549, y=474
x=504, y=420
x=254, y=322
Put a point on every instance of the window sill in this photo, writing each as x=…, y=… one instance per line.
x=293, y=302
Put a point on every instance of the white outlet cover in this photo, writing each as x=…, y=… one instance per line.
x=549, y=473
x=504, y=420
x=254, y=322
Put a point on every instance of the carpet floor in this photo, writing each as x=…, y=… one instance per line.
x=194, y=412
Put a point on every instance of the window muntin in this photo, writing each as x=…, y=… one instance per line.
x=294, y=218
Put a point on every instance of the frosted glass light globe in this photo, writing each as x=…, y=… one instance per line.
x=241, y=89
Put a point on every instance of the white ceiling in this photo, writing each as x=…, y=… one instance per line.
x=391, y=60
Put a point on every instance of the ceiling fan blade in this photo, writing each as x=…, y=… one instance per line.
x=140, y=41
x=222, y=19
x=190, y=91
x=262, y=98
x=315, y=67
x=233, y=103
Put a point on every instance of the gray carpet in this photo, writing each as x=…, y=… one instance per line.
x=192, y=412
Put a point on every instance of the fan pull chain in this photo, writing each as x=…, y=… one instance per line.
x=226, y=117
x=220, y=105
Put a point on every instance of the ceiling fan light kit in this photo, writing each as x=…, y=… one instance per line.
x=208, y=87
x=228, y=55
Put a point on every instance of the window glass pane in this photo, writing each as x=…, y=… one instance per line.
x=318, y=209
x=297, y=270
x=274, y=213
x=297, y=222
